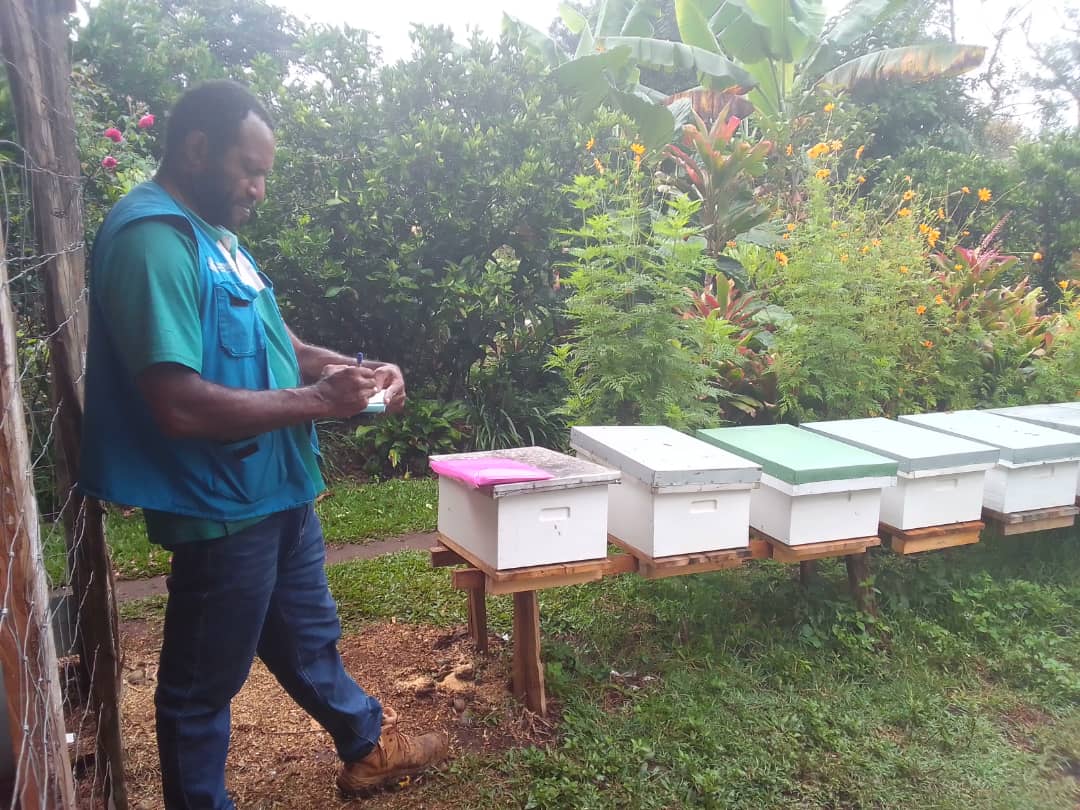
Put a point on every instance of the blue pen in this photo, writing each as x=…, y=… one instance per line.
x=359, y=358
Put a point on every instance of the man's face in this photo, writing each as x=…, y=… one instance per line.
x=231, y=184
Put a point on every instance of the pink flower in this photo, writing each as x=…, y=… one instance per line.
x=108, y=163
x=113, y=134
x=146, y=121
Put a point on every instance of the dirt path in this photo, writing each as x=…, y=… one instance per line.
x=129, y=589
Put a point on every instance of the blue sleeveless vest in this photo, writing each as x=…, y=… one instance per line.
x=126, y=459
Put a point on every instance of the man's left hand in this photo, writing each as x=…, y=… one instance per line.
x=391, y=381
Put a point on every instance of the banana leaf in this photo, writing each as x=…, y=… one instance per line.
x=662, y=54
x=911, y=64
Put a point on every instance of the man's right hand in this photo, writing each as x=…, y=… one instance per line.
x=346, y=389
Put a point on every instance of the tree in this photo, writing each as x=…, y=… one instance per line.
x=1058, y=76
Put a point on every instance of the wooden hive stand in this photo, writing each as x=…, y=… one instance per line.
x=479, y=579
x=678, y=565
x=1034, y=520
x=852, y=550
x=932, y=538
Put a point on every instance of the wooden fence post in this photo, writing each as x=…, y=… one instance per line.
x=27, y=652
x=34, y=42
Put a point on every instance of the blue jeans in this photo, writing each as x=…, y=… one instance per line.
x=262, y=590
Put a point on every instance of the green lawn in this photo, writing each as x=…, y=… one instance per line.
x=743, y=691
x=350, y=513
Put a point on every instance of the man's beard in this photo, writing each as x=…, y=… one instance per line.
x=211, y=201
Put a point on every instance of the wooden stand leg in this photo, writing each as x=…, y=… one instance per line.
x=807, y=571
x=858, y=570
x=478, y=630
x=528, y=668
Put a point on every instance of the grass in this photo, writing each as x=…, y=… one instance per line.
x=740, y=690
x=350, y=513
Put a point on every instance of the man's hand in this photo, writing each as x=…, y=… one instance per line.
x=391, y=381
x=347, y=389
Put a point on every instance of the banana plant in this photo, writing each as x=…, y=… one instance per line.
x=606, y=67
x=790, y=50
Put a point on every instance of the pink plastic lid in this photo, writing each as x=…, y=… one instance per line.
x=483, y=472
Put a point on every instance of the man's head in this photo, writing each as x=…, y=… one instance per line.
x=219, y=147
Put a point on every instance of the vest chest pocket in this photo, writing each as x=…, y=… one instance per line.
x=236, y=322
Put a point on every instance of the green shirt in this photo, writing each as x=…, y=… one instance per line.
x=151, y=303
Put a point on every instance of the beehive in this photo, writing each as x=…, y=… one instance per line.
x=1038, y=467
x=940, y=478
x=515, y=525
x=678, y=495
x=813, y=489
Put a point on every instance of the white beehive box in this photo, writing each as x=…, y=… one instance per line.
x=678, y=495
x=1038, y=467
x=940, y=478
x=1061, y=416
x=813, y=489
x=562, y=519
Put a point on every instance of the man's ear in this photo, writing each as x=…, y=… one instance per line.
x=196, y=151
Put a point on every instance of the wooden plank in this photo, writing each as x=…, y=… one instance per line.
x=528, y=679
x=932, y=538
x=1034, y=520
x=621, y=564
x=760, y=549
x=27, y=651
x=818, y=551
x=468, y=579
x=858, y=569
x=807, y=572
x=442, y=557
x=478, y=626
x=682, y=564
x=534, y=577
x=35, y=45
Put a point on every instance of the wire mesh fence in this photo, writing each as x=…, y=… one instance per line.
x=49, y=677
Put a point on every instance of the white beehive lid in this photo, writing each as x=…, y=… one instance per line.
x=1064, y=416
x=916, y=449
x=1019, y=442
x=663, y=458
x=568, y=472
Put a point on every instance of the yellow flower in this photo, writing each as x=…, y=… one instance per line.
x=732, y=243
x=834, y=224
x=787, y=236
x=817, y=151
x=939, y=300
x=858, y=152
x=822, y=174
x=1036, y=256
x=985, y=194
x=958, y=267
x=599, y=166
x=637, y=161
x=933, y=236
x=589, y=144
x=924, y=228
x=836, y=146
x=941, y=213
x=1064, y=284
x=829, y=107
x=638, y=149
x=904, y=212
x=843, y=257
x=864, y=249
x=875, y=242
x=861, y=179
x=904, y=268
x=791, y=226
x=790, y=150
x=965, y=190
x=909, y=195
x=966, y=233
x=781, y=257
x=920, y=310
x=929, y=344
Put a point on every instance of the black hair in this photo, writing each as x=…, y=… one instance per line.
x=215, y=108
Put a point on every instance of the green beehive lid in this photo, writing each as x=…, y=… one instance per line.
x=798, y=456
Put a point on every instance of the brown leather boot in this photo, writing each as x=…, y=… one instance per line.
x=396, y=756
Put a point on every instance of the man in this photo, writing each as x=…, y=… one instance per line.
x=199, y=409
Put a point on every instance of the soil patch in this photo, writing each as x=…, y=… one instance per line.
x=281, y=759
